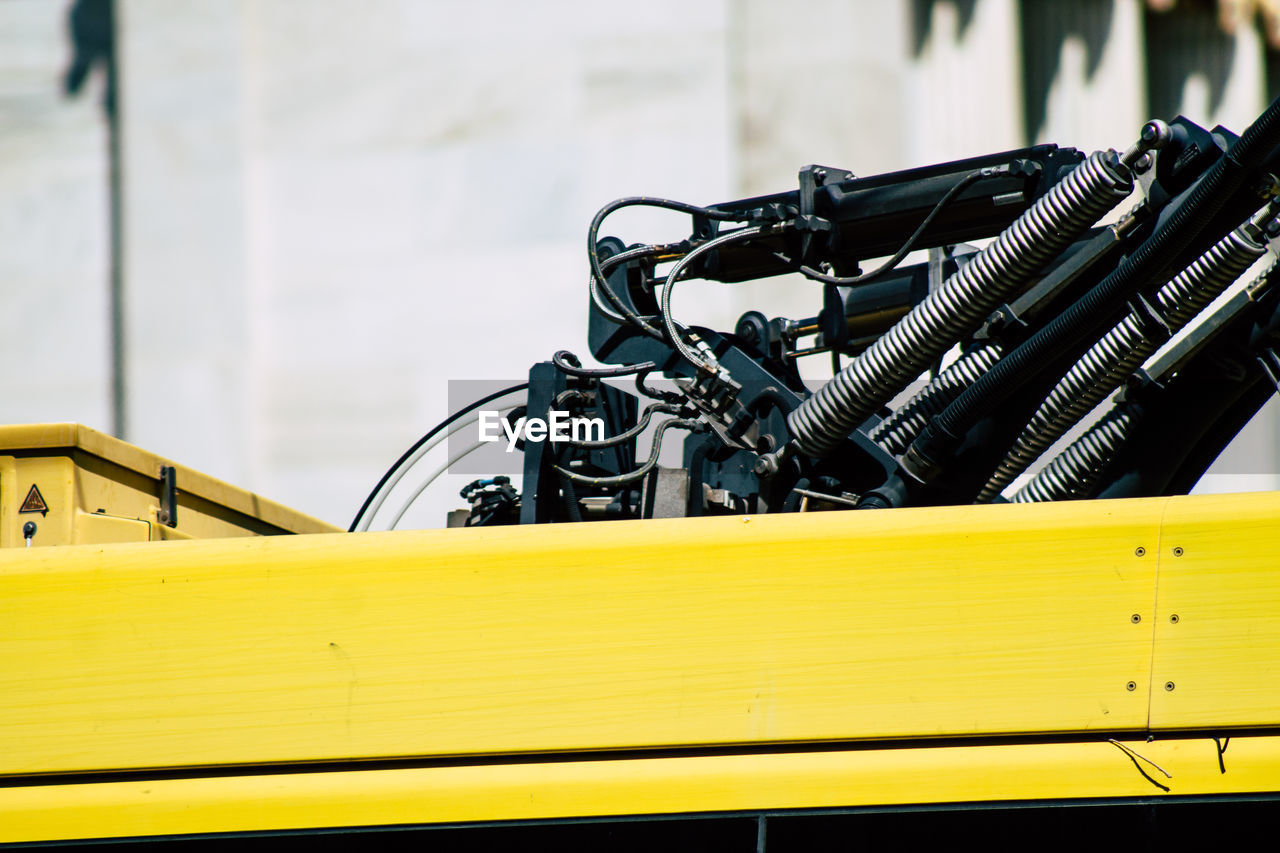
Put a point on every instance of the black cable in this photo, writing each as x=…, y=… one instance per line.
x=674, y=332
x=959, y=187
x=430, y=434
x=573, y=395
x=632, y=476
x=612, y=261
x=657, y=393
x=568, y=363
x=593, y=254
x=628, y=434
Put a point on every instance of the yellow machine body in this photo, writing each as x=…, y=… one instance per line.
x=1015, y=653
x=66, y=484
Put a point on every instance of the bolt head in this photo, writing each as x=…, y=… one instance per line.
x=1156, y=133
x=766, y=465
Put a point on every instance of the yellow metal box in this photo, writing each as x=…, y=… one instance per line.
x=66, y=484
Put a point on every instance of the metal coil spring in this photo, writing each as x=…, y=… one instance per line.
x=956, y=309
x=896, y=432
x=1181, y=299
x=1073, y=471
x=1121, y=351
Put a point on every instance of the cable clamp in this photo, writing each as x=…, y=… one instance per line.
x=918, y=468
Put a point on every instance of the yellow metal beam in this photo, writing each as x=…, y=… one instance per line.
x=677, y=633
x=696, y=784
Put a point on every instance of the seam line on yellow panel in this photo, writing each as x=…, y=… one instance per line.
x=1155, y=608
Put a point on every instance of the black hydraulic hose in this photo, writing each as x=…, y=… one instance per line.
x=771, y=397
x=593, y=251
x=570, y=494
x=569, y=364
x=627, y=435
x=631, y=476
x=1075, y=471
x=897, y=431
x=824, y=420
x=657, y=393
x=697, y=466
x=945, y=432
x=430, y=434
x=1259, y=138
x=1123, y=349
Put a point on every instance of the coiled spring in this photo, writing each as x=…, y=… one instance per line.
x=1122, y=350
x=896, y=432
x=1073, y=471
x=956, y=309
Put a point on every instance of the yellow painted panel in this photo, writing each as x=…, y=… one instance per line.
x=814, y=627
x=102, y=528
x=10, y=501
x=84, y=475
x=55, y=477
x=531, y=791
x=1220, y=577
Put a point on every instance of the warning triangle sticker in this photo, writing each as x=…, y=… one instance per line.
x=34, y=502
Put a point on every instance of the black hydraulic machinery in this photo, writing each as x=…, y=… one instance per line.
x=974, y=313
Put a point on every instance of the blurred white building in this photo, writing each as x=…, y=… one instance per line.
x=330, y=208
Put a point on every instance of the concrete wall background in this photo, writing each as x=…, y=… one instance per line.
x=334, y=207
x=53, y=226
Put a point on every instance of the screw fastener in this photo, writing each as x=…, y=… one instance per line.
x=1131, y=686
x=1139, y=551
x=1177, y=552
x=766, y=465
x=1168, y=685
x=1135, y=618
x=1174, y=618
